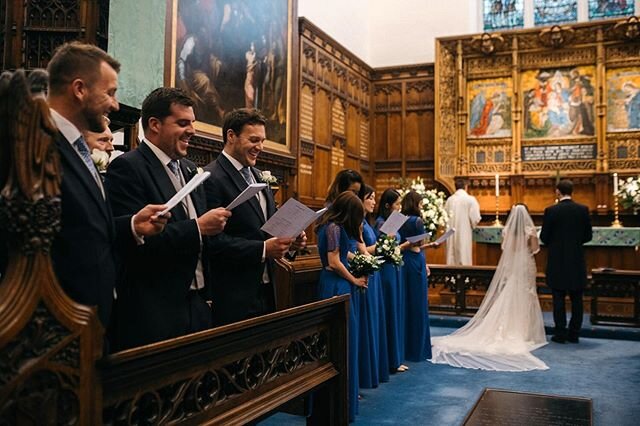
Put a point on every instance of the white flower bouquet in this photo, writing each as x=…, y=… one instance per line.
x=362, y=265
x=434, y=214
x=629, y=193
x=387, y=248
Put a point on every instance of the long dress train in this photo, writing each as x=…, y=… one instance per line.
x=508, y=324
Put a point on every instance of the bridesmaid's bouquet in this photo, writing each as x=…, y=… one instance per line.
x=362, y=265
x=387, y=248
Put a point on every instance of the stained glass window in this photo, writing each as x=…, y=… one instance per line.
x=548, y=12
x=600, y=9
x=501, y=14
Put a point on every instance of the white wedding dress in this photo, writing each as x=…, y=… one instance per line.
x=508, y=324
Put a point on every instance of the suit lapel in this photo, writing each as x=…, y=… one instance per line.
x=161, y=180
x=77, y=166
x=241, y=184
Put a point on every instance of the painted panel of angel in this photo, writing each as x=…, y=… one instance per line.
x=489, y=108
x=623, y=99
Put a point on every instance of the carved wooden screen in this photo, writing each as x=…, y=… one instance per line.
x=333, y=113
x=403, y=119
x=39, y=26
x=535, y=105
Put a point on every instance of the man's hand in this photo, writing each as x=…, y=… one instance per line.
x=213, y=221
x=147, y=222
x=299, y=243
x=275, y=247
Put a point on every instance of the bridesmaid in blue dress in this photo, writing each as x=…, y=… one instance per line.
x=338, y=236
x=418, y=337
x=373, y=338
x=393, y=294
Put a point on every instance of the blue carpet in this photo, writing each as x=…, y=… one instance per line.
x=605, y=370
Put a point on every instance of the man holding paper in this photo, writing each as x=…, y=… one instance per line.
x=165, y=291
x=242, y=256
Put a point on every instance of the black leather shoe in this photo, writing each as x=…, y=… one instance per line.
x=558, y=339
x=572, y=339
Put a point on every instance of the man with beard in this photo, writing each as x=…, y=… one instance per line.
x=165, y=291
x=83, y=81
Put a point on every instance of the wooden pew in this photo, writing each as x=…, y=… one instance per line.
x=609, y=290
x=297, y=281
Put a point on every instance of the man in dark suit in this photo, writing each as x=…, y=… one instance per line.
x=242, y=256
x=164, y=291
x=83, y=84
x=566, y=226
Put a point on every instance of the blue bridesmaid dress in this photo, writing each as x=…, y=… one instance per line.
x=393, y=296
x=418, y=336
x=373, y=337
x=330, y=237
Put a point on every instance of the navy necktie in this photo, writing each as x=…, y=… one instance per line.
x=82, y=148
x=246, y=174
x=175, y=168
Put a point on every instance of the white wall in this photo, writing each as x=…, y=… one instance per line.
x=346, y=21
x=385, y=33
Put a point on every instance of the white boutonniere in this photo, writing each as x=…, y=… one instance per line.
x=100, y=159
x=199, y=170
x=268, y=178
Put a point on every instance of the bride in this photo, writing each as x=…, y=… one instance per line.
x=508, y=324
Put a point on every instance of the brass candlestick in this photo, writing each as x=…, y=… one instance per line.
x=497, y=221
x=616, y=222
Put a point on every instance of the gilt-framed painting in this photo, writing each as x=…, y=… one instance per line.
x=233, y=54
x=623, y=99
x=559, y=102
x=489, y=108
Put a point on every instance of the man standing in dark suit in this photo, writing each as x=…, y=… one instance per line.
x=165, y=291
x=565, y=228
x=83, y=84
x=242, y=256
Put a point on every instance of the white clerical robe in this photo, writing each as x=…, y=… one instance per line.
x=464, y=215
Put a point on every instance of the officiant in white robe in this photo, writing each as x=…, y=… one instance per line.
x=464, y=215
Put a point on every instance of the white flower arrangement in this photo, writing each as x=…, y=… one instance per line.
x=199, y=170
x=434, y=214
x=387, y=248
x=100, y=159
x=629, y=193
x=268, y=178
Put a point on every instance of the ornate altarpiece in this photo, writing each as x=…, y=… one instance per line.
x=488, y=82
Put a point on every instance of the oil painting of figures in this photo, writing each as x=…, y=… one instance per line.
x=234, y=54
x=558, y=103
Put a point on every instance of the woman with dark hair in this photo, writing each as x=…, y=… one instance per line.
x=393, y=293
x=417, y=334
x=373, y=333
x=339, y=233
x=346, y=180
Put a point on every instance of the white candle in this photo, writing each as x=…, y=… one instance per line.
x=615, y=184
x=497, y=185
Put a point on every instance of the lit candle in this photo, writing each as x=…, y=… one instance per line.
x=615, y=184
x=497, y=185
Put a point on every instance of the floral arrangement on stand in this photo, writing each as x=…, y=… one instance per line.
x=361, y=265
x=629, y=194
x=434, y=215
x=388, y=249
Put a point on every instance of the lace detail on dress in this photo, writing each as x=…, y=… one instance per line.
x=333, y=237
